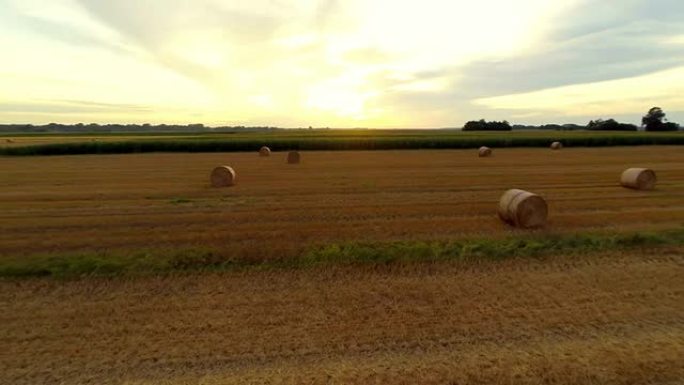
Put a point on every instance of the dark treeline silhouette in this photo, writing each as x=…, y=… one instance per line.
x=483, y=125
x=557, y=127
x=125, y=128
x=610, y=125
x=655, y=120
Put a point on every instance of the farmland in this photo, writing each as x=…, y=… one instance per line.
x=329, y=140
x=122, y=205
x=352, y=267
x=612, y=318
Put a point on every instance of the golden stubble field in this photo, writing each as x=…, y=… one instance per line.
x=164, y=201
x=615, y=318
x=610, y=318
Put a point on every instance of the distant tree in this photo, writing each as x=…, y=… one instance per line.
x=482, y=125
x=671, y=126
x=474, y=125
x=628, y=127
x=570, y=126
x=610, y=125
x=655, y=120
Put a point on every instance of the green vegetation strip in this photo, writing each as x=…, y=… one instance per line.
x=106, y=264
x=331, y=143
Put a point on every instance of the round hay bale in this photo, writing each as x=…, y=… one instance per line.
x=293, y=157
x=523, y=209
x=223, y=176
x=556, y=145
x=484, y=152
x=264, y=151
x=638, y=178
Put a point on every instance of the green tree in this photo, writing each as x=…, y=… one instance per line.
x=483, y=125
x=653, y=120
x=610, y=125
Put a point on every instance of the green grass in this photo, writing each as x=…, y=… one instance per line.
x=168, y=261
x=178, y=201
x=349, y=140
x=530, y=246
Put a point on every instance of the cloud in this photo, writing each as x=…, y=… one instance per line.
x=601, y=40
x=325, y=10
x=595, y=42
x=621, y=97
x=71, y=107
x=612, y=54
x=331, y=62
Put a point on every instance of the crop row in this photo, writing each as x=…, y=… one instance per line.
x=330, y=144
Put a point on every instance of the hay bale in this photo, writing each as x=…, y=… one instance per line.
x=223, y=176
x=638, y=178
x=523, y=209
x=556, y=145
x=484, y=152
x=9, y=140
x=293, y=157
x=264, y=151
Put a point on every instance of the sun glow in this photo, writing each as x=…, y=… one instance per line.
x=314, y=62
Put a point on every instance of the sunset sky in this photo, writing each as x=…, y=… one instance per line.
x=346, y=63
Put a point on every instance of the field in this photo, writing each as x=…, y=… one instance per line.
x=353, y=267
x=124, y=205
x=328, y=140
x=607, y=319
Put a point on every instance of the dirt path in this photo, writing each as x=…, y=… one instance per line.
x=610, y=319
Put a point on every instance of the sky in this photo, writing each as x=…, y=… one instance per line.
x=340, y=63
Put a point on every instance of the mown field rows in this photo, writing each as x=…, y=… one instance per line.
x=593, y=316
x=127, y=203
x=613, y=318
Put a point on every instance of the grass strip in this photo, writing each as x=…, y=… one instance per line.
x=350, y=253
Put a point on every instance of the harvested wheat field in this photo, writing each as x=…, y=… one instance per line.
x=615, y=318
x=118, y=203
x=578, y=311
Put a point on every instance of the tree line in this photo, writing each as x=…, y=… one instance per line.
x=482, y=125
x=654, y=120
